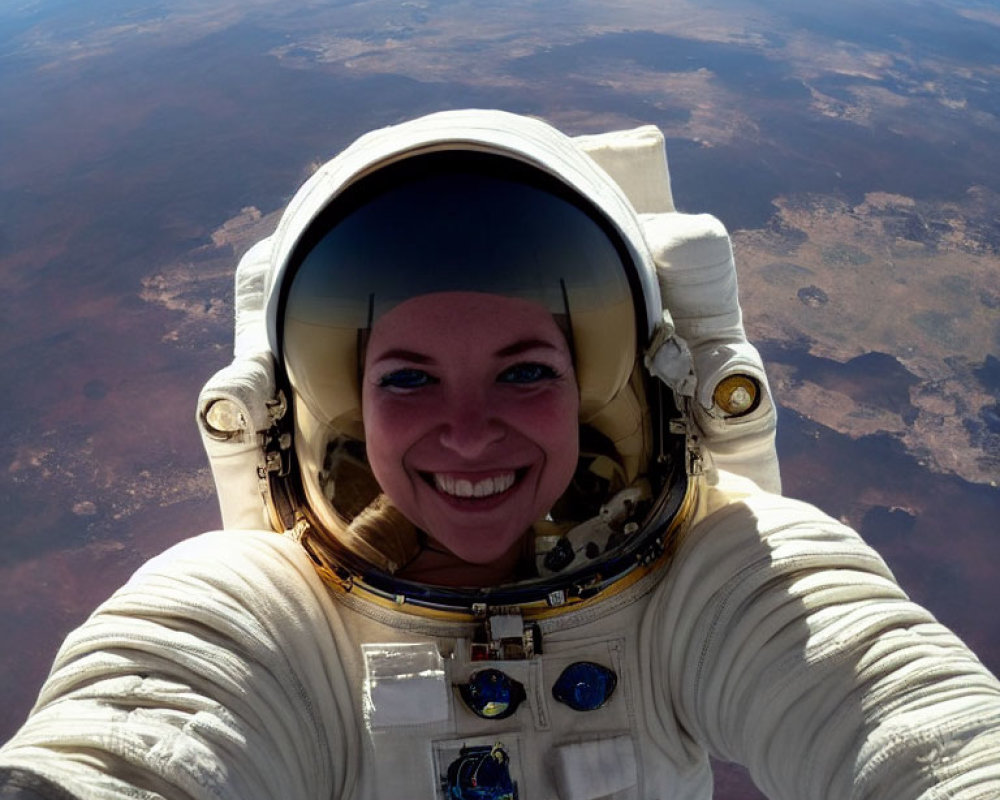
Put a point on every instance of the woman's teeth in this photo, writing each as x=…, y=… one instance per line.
x=459, y=487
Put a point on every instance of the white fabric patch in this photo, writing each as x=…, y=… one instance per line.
x=598, y=768
x=404, y=685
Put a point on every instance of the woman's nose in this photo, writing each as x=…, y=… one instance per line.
x=470, y=427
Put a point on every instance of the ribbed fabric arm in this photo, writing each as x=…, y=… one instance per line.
x=214, y=673
x=789, y=648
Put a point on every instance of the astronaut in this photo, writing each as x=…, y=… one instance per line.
x=496, y=466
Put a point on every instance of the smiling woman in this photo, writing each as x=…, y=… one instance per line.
x=470, y=407
x=452, y=322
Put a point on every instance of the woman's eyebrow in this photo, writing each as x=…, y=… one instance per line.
x=524, y=345
x=404, y=355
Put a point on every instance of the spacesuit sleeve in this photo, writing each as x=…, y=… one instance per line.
x=789, y=648
x=213, y=673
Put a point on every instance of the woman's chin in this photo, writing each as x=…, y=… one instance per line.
x=483, y=547
x=468, y=558
x=441, y=567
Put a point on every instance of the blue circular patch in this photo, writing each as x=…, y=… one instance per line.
x=584, y=686
x=491, y=694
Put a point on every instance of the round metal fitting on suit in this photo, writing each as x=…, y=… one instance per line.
x=736, y=395
x=223, y=419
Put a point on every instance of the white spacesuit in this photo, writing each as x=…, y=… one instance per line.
x=675, y=606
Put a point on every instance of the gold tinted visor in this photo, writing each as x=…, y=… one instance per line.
x=445, y=222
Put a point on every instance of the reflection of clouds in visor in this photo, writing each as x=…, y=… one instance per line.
x=453, y=232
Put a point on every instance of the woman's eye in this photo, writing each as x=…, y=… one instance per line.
x=405, y=379
x=527, y=373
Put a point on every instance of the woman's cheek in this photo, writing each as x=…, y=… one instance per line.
x=380, y=417
x=552, y=422
x=395, y=416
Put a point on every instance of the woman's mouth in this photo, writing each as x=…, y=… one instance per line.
x=474, y=489
x=482, y=487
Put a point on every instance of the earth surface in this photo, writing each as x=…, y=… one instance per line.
x=850, y=148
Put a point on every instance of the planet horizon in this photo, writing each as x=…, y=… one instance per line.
x=849, y=149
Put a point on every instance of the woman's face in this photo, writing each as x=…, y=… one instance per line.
x=470, y=408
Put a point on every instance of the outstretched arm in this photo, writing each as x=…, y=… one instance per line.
x=213, y=673
x=793, y=651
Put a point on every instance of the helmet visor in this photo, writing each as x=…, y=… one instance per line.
x=448, y=221
x=453, y=221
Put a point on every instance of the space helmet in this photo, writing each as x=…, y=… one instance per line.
x=471, y=201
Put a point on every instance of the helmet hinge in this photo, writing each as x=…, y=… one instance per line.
x=277, y=441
